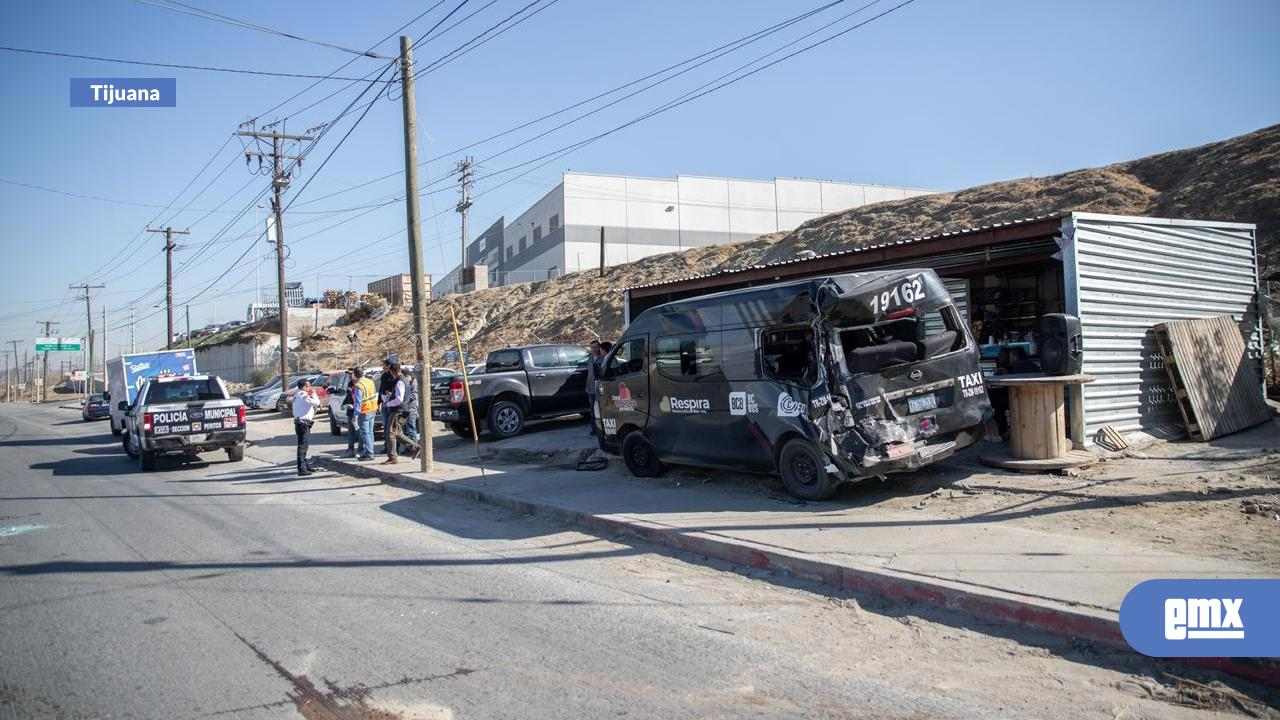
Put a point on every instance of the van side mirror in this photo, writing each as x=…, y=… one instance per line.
x=122, y=406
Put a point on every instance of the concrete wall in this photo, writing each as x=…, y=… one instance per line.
x=235, y=363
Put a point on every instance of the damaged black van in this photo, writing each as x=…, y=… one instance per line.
x=823, y=380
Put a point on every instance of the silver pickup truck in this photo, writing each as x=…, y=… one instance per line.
x=185, y=414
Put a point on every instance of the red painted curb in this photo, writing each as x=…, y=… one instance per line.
x=991, y=605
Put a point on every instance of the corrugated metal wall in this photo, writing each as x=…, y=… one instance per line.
x=1126, y=274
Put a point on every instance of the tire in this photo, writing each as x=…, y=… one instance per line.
x=147, y=460
x=801, y=466
x=235, y=453
x=640, y=456
x=117, y=431
x=461, y=429
x=334, y=428
x=505, y=419
x=128, y=447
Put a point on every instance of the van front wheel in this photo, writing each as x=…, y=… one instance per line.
x=803, y=471
x=640, y=456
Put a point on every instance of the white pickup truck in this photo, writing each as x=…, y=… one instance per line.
x=185, y=414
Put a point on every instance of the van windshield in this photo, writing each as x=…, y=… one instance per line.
x=908, y=338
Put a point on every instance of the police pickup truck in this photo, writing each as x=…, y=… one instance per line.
x=535, y=381
x=182, y=414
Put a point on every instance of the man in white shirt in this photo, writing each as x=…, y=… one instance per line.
x=304, y=414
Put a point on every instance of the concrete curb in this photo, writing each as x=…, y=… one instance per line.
x=989, y=604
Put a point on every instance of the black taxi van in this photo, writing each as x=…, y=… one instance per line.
x=822, y=380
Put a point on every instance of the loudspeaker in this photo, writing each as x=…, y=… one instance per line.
x=1060, y=351
x=1060, y=345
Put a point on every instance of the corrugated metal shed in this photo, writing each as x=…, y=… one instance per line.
x=1125, y=274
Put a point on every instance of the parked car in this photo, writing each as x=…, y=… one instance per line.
x=320, y=382
x=475, y=369
x=95, y=408
x=518, y=384
x=183, y=414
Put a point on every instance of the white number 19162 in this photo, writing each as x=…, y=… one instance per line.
x=910, y=291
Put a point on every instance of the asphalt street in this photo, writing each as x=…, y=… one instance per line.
x=217, y=589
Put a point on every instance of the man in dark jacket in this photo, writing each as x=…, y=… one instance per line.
x=349, y=404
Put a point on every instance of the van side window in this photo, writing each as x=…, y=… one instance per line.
x=689, y=357
x=788, y=353
x=738, y=357
x=627, y=358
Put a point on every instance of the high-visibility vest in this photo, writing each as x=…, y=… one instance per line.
x=368, y=396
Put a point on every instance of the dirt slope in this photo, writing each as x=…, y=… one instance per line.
x=1235, y=179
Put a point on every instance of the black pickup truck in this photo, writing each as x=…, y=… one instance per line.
x=517, y=384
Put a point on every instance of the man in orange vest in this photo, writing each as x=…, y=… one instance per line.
x=365, y=397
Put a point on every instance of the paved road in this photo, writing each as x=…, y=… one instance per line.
x=242, y=591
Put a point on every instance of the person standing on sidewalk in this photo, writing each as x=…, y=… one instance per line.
x=411, y=403
x=349, y=405
x=386, y=384
x=593, y=371
x=304, y=416
x=397, y=414
x=365, y=398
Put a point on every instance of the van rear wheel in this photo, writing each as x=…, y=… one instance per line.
x=640, y=455
x=803, y=471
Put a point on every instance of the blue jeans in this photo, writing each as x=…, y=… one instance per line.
x=411, y=427
x=386, y=428
x=365, y=422
x=591, y=403
x=351, y=433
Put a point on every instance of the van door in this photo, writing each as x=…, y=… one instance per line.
x=627, y=374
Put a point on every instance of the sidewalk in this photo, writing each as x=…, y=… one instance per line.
x=1029, y=550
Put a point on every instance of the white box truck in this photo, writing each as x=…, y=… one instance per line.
x=126, y=374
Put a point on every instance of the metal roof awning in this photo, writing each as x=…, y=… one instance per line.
x=888, y=252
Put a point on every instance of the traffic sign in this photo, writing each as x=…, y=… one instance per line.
x=46, y=344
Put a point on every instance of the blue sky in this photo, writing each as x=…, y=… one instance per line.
x=938, y=94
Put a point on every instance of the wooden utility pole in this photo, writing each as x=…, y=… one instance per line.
x=279, y=181
x=88, y=314
x=464, y=204
x=169, y=232
x=44, y=379
x=105, y=380
x=601, y=251
x=421, y=340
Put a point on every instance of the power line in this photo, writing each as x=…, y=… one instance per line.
x=179, y=66
x=174, y=6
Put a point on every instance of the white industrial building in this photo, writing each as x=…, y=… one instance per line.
x=641, y=216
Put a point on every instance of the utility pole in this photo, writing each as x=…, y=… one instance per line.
x=105, y=380
x=464, y=203
x=44, y=379
x=279, y=181
x=17, y=369
x=601, y=251
x=187, y=307
x=420, y=330
x=8, y=385
x=133, y=330
x=169, y=232
x=88, y=315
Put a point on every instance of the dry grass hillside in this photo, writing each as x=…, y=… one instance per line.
x=1235, y=179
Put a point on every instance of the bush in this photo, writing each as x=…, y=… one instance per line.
x=263, y=375
x=369, y=304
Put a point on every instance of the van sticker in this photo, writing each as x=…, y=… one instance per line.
x=623, y=399
x=743, y=403
x=685, y=406
x=971, y=385
x=869, y=402
x=909, y=292
x=787, y=407
x=610, y=426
